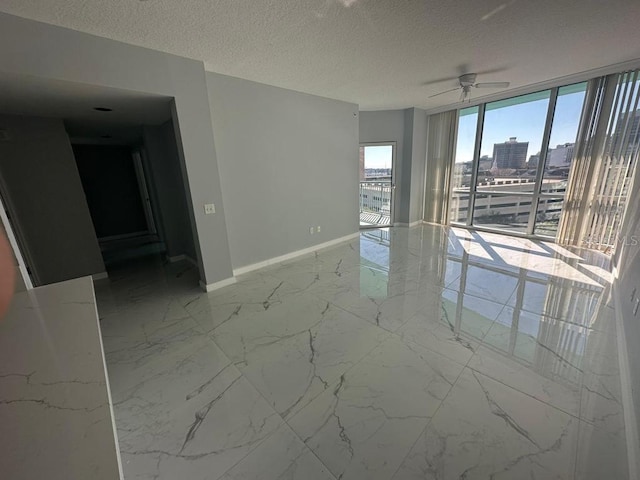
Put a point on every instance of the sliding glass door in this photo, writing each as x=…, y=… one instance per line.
x=376, y=184
x=512, y=161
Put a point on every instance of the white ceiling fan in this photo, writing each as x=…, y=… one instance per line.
x=467, y=82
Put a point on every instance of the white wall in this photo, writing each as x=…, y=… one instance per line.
x=288, y=161
x=627, y=262
x=43, y=193
x=41, y=50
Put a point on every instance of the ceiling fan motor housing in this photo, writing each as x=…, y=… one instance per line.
x=467, y=80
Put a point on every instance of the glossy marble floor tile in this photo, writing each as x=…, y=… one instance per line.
x=374, y=300
x=486, y=429
x=202, y=425
x=364, y=425
x=407, y=353
x=531, y=380
x=255, y=293
x=601, y=454
x=555, y=346
x=296, y=350
x=439, y=336
x=281, y=456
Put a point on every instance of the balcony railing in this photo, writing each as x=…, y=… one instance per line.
x=375, y=202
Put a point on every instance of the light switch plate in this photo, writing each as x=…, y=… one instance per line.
x=209, y=208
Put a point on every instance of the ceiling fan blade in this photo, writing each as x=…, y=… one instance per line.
x=492, y=85
x=492, y=70
x=438, y=80
x=446, y=91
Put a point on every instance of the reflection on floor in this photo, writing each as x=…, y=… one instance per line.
x=368, y=219
x=422, y=353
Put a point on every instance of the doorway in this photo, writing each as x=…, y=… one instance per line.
x=115, y=186
x=376, y=190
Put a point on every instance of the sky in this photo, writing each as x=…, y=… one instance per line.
x=524, y=121
x=378, y=156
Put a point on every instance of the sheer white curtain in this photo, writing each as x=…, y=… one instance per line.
x=588, y=146
x=441, y=137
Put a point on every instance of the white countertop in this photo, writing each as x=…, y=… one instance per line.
x=56, y=419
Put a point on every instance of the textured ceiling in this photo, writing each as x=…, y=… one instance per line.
x=377, y=53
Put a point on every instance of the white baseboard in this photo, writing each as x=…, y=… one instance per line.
x=99, y=276
x=179, y=258
x=210, y=287
x=630, y=421
x=417, y=222
x=289, y=256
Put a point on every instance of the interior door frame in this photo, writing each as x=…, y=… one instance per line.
x=141, y=176
x=392, y=198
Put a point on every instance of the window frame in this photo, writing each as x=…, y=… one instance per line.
x=534, y=196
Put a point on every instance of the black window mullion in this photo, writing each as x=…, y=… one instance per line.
x=551, y=109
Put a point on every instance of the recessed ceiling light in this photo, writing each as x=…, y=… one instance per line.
x=103, y=109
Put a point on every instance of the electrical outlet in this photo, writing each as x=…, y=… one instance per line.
x=209, y=208
x=310, y=230
x=318, y=229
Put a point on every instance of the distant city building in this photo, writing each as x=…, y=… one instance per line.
x=377, y=173
x=631, y=136
x=485, y=162
x=510, y=154
x=560, y=156
x=499, y=210
x=533, y=161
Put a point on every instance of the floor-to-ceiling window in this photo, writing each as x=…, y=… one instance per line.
x=555, y=175
x=463, y=166
x=512, y=161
